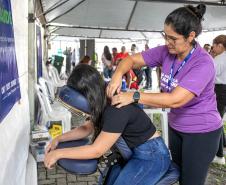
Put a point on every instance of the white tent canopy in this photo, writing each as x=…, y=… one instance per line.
x=122, y=19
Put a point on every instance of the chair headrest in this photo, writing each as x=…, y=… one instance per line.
x=73, y=100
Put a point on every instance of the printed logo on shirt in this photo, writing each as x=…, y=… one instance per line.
x=164, y=82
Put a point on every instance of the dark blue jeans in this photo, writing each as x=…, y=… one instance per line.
x=148, y=164
x=107, y=72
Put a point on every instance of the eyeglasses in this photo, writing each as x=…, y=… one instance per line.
x=169, y=38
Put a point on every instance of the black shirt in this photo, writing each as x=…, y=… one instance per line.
x=135, y=126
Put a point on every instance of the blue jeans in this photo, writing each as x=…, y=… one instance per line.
x=107, y=72
x=148, y=164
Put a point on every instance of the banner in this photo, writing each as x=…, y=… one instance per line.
x=9, y=82
x=39, y=52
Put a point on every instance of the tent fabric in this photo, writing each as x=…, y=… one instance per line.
x=15, y=128
x=116, y=19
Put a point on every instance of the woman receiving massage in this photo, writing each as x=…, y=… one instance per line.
x=150, y=159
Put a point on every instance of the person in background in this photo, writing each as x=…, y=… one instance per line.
x=107, y=62
x=73, y=59
x=207, y=47
x=68, y=54
x=85, y=60
x=150, y=159
x=123, y=54
x=133, y=49
x=114, y=56
x=219, y=48
x=136, y=75
x=146, y=47
x=148, y=73
x=132, y=80
x=94, y=60
x=187, y=84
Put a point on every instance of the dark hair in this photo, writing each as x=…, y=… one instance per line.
x=186, y=19
x=88, y=81
x=107, y=53
x=133, y=47
x=114, y=49
x=49, y=61
x=220, y=39
x=85, y=60
x=206, y=45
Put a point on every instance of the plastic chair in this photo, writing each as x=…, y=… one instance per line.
x=50, y=114
x=54, y=76
x=164, y=121
x=58, y=76
x=48, y=90
x=48, y=86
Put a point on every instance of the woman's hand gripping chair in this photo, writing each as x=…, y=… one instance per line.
x=120, y=152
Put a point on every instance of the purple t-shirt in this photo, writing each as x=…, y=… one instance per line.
x=197, y=76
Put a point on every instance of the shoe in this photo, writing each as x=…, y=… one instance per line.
x=219, y=160
x=148, y=87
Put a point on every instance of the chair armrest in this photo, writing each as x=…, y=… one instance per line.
x=75, y=166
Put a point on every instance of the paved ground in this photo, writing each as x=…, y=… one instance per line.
x=57, y=176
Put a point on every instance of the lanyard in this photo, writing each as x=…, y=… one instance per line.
x=171, y=76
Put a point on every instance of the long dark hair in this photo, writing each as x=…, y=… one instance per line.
x=186, y=19
x=88, y=81
x=107, y=53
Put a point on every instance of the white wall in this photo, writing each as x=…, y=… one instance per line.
x=15, y=128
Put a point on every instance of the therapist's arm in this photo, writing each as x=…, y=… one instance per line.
x=177, y=98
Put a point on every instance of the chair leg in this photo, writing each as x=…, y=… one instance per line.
x=164, y=122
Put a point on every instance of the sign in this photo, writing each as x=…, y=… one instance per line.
x=9, y=81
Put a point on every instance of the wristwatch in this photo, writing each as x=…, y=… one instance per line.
x=136, y=96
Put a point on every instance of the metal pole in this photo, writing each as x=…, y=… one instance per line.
x=32, y=67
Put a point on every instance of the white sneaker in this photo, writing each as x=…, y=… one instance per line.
x=219, y=160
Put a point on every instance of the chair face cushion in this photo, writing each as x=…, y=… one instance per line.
x=74, y=99
x=84, y=167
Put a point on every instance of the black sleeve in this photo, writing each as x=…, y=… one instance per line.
x=115, y=120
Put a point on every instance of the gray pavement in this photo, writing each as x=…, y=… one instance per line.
x=58, y=176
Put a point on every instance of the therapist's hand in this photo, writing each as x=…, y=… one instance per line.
x=114, y=86
x=122, y=99
x=50, y=159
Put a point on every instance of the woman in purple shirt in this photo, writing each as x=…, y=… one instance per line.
x=187, y=84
